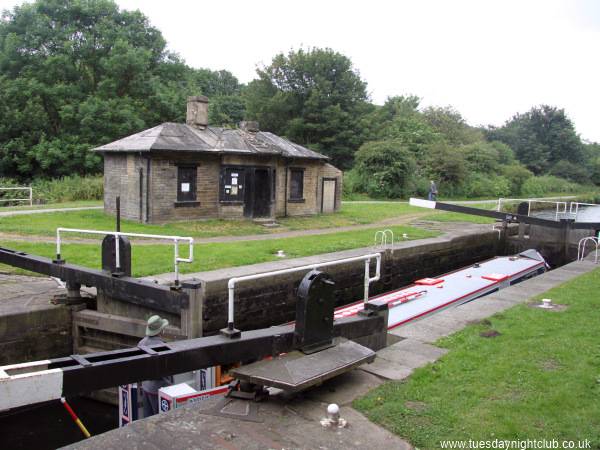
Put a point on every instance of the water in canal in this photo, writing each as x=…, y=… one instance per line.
x=49, y=426
x=584, y=214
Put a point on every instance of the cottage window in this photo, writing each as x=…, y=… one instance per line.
x=232, y=184
x=297, y=184
x=186, y=183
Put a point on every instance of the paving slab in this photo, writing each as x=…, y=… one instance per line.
x=558, y=276
x=388, y=370
x=345, y=388
x=411, y=353
x=285, y=425
x=509, y=296
x=425, y=331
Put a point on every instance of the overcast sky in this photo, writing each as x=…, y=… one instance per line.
x=489, y=59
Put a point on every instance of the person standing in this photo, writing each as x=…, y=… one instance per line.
x=433, y=191
x=154, y=328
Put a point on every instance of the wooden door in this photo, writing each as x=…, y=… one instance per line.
x=328, y=204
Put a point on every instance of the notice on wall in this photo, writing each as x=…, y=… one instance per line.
x=234, y=190
x=185, y=187
x=234, y=175
x=233, y=180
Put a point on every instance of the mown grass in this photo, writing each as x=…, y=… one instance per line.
x=540, y=378
x=351, y=214
x=446, y=216
x=156, y=259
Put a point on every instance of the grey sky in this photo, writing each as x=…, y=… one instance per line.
x=489, y=59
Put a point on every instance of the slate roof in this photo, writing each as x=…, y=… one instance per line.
x=184, y=138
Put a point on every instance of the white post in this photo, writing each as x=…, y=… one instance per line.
x=58, y=243
x=176, y=262
x=230, y=305
x=117, y=255
x=366, y=285
x=30, y=196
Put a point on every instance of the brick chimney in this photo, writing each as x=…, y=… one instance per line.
x=197, y=111
x=250, y=126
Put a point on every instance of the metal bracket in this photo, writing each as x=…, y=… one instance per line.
x=314, y=312
x=81, y=360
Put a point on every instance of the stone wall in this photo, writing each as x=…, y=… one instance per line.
x=122, y=173
x=263, y=302
x=164, y=188
x=122, y=178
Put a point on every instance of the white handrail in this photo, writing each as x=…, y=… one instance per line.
x=577, y=204
x=564, y=204
x=384, y=238
x=24, y=188
x=116, y=234
x=582, y=245
x=367, y=281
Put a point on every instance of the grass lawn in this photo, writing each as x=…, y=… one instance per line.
x=156, y=259
x=540, y=378
x=446, y=216
x=351, y=214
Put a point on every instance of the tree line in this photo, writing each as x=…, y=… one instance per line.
x=76, y=74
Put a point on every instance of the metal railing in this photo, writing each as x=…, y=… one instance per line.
x=574, y=207
x=29, y=198
x=581, y=246
x=561, y=207
x=367, y=279
x=381, y=239
x=558, y=207
x=116, y=234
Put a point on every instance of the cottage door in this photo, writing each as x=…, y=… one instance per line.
x=328, y=202
x=262, y=193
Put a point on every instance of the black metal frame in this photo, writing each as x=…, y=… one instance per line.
x=520, y=218
x=131, y=290
x=85, y=373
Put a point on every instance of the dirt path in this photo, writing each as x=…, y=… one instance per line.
x=400, y=220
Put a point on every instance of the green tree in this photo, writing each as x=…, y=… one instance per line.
x=450, y=124
x=517, y=175
x=569, y=171
x=385, y=169
x=77, y=73
x=315, y=98
x=541, y=138
x=399, y=119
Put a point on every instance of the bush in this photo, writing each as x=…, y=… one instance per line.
x=66, y=189
x=9, y=182
x=516, y=174
x=480, y=185
x=538, y=186
x=385, y=169
x=350, y=184
x=570, y=171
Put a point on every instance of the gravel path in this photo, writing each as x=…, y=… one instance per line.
x=402, y=220
x=22, y=212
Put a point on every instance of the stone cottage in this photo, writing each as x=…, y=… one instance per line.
x=194, y=171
